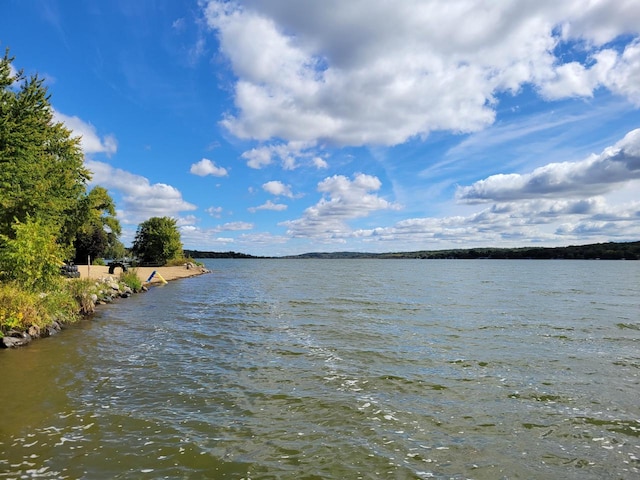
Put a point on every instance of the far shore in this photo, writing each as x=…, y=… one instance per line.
x=168, y=273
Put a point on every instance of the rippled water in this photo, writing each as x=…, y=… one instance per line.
x=314, y=369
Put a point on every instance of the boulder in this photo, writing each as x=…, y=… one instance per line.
x=15, y=339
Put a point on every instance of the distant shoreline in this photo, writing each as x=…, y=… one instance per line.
x=594, y=251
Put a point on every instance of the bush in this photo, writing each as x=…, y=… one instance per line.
x=131, y=279
x=178, y=262
x=32, y=258
x=98, y=261
x=18, y=308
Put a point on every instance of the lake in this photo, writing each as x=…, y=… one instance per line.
x=340, y=369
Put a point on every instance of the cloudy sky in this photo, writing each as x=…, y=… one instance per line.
x=277, y=127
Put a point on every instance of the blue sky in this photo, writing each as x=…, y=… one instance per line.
x=280, y=127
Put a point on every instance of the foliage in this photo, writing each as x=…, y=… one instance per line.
x=157, y=241
x=178, y=262
x=18, y=308
x=42, y=173
x=32, y=258
x=98, y=261
x=99, y=228
x=115, y=249
x=131, y=279
x=79, y=294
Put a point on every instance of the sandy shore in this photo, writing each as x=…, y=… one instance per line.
x=168, y=273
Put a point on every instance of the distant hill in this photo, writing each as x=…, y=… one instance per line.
x=603, y=251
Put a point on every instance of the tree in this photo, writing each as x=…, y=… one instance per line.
x=157, y=241
x=99, y=229
x=42, y=173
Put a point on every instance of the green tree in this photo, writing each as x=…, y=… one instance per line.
x=100, y=228
x=33, y=257
x=42, y=173
x=157, y=241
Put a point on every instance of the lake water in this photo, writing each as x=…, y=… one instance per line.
x=325, y=369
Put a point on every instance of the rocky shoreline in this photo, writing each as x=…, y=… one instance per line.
x=106, y=289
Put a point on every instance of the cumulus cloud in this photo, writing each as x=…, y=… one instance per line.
x=380, y=73
x=516, y=224
x=343, y=200
x=278, y=189
x=140, y=198
x=595, y=175
x=90, y=141
x=206, y=167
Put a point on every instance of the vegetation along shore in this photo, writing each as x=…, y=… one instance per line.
x=50, y=218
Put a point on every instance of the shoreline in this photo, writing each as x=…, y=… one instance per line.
x=106, y=289
x=168, y=273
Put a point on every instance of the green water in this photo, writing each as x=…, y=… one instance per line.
x=307, y=369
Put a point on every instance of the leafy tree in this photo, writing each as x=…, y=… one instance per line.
x=157, y=241
x=100, y=229
x=42, y=173
x=33, y=257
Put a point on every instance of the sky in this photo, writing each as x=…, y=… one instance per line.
x=279, y=127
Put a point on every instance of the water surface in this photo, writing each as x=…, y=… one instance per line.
x=314, y=369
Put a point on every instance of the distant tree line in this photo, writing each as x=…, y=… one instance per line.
x=201, y=254
x=603, y=251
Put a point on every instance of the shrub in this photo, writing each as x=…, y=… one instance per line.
x=18, y=308
x=131, y=279
x=32, y=258
x=178, y=262
x=98, y=261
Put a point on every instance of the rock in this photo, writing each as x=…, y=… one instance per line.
x=51, y=331
x=94, y=298
x=15, y=339
x=34, y=331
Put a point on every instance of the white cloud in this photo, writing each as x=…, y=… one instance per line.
x=215, y=212
x=90, y=141
x=268, y=205
x=277, y=188
x=371, y=72
x=188, y=220
x=595, y=175
x=288, y=154
x=320, y=163
x=234, y=226
x=343, y=200
x=140, y=198
x=516, y=224
x=616, y=72
x=206, y=167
